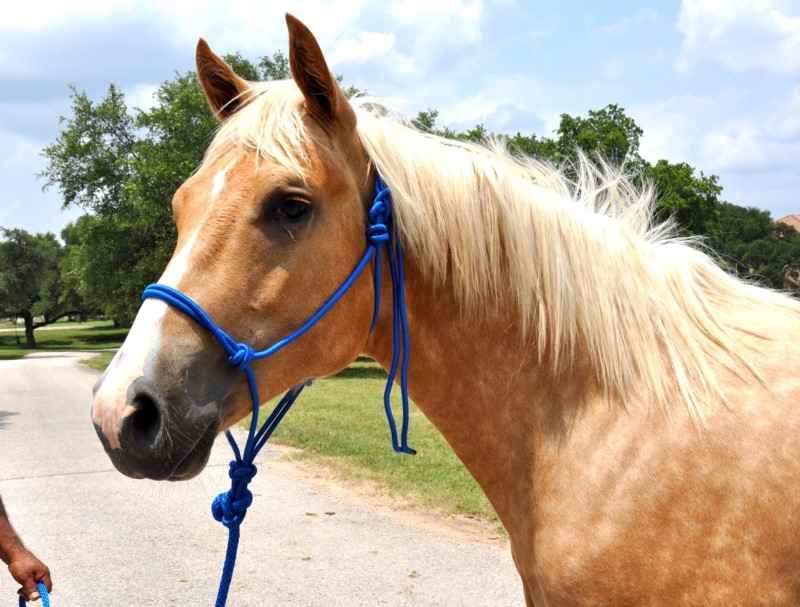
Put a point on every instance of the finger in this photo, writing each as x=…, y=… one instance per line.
x=44, y=577
x=29, y=591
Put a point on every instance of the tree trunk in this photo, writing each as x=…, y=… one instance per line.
x=30, y=340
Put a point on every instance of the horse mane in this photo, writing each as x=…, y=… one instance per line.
x=582, y=262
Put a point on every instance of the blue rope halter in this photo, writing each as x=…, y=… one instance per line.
x=230, y=507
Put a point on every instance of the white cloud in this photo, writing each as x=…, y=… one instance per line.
x=644, y=16
x=752, y=145
x=764, y=139
x=141, y=96
x=466, y=13
x=255, y=27
x=741, y=35
x=509, y=102
x=720, y=132
x=250, y=26
x=673, y=126
x=23, y=204
x=734, y=145
x=436, y=32
x=362, y=47
x=38, y=15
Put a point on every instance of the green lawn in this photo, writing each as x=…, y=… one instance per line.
x=99, y=362
x=12, y=343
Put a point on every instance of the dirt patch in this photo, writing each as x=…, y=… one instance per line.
x=369, y=495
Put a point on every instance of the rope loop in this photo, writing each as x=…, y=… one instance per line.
x=378, y=212
x=377, y=233
x=242, y=356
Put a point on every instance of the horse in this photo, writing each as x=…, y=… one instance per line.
x=631, y=410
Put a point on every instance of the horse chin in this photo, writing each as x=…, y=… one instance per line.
x=172, y=467
x=195, y=461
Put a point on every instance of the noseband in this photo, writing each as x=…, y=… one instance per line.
x=230, y=507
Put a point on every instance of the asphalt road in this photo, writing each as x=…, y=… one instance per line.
x=116, y=542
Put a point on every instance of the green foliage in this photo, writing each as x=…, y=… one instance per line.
x=28, y=267
x=754, y=247
x=30, y=279
x=90, y=161
x=543, y=148
x=693, y=202
x=275, y=67
x=609, y=134
x=426, y=122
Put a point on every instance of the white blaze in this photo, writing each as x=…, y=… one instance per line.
x=145, y=334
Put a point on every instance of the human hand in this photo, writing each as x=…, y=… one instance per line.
x=26, y=569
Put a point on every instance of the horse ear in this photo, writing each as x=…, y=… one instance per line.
x=224, y=90
x=324, y=97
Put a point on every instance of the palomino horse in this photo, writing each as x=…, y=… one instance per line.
x=631, y=411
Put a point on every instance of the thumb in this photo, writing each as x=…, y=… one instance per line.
x=29, y=591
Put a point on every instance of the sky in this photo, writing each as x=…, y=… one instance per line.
x=714, y=83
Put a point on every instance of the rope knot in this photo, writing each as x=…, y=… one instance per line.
x=226, y=508
x=239, y=471
x=228, y=511
x=378, y=215
x=377, y=233
x=241, y=357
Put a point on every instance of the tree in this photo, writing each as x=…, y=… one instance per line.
x=752, y=246
x=542, y=148
x=608, y=133
x=30, y=283
x=90, y=162
x=693, y=202
x=129, y=235
x=276, y=67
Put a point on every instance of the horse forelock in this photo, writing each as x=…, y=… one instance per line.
x=583, y=263
x=269, y=123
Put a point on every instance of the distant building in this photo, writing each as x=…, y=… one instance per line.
x=792, y=220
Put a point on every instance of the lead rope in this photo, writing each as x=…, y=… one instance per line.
x=42, y=591
x=230, y=507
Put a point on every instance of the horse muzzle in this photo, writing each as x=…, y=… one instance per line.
x=148, y=433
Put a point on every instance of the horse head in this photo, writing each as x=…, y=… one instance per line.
x=269, y=226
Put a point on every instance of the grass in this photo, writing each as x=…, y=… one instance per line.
x=60, y=321
x=91, y=337
x=339, y=422
x=99, y=362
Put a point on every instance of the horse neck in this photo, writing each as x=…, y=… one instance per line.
x=483, y=384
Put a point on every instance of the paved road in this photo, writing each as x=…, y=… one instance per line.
x=115, y=542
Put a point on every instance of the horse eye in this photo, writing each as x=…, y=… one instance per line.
x=291, y=210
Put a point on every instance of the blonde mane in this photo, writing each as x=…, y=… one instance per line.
x=581, y=263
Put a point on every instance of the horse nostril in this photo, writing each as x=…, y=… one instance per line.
x=141, y=427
